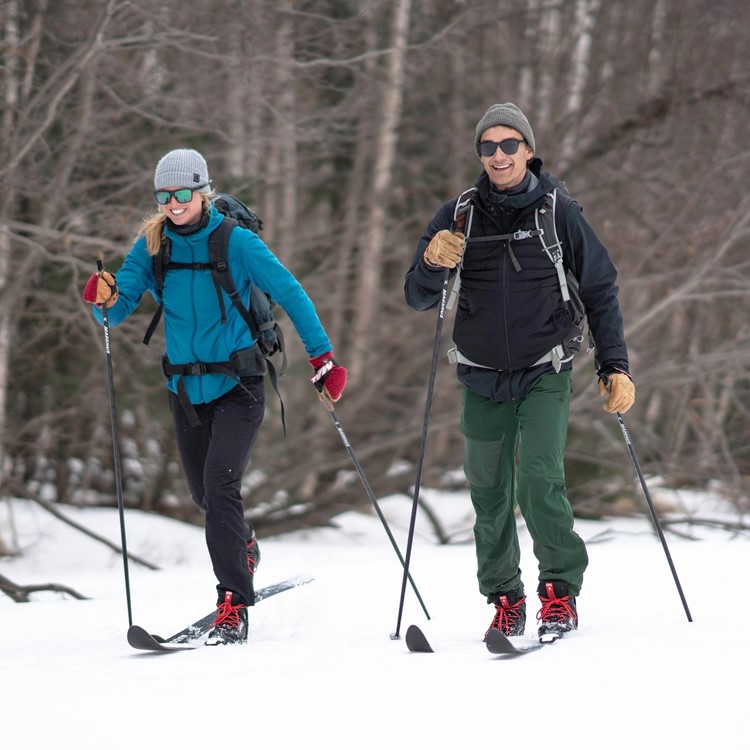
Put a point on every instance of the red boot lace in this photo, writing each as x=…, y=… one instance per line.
x=252, y=562
x=506, y=615
x=228, y=614
x=556, y=609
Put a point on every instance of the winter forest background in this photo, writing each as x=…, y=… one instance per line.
x=346, y=124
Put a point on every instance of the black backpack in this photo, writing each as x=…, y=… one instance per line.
x=260, y=317
x=546, y=230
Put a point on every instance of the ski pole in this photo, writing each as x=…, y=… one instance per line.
x=655, y=518
x=329, y=407
x=116, y=450
x=420, y=463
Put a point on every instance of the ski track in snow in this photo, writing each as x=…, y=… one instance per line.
x=321, y=669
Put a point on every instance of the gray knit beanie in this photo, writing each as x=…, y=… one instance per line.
x=182, y=167
x=507, y=114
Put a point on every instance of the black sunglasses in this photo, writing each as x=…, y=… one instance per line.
x=507, y=146
x=181, y=195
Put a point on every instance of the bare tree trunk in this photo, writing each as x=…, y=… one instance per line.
x=343, y=300
x=287, y=132
x=585, y=23
x=95, y=99
x=281, y=201
x=656, y=72
x=237, y=103
x=527, y=77
x=457, y=120
x=549, y=51
x=10, y=99
x=368, y=286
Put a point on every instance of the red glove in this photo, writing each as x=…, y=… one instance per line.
x=101, y=288
x=330, y=376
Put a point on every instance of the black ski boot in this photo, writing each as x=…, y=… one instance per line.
x=230, y=625
x=558, y=614
x=510, y=613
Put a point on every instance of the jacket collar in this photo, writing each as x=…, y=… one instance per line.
x=540, y=184
x=199, y=231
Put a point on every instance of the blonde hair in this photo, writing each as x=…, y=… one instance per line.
x=153, y=226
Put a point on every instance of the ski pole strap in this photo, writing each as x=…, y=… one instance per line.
x=274, y=378
x=463, y=215
x=322, y=373
x=154, y=322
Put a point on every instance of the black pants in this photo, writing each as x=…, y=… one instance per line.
x=214, y=456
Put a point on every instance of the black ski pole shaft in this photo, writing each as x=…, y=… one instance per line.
x=371, y=495
x=423, y=442
x=116, y=450
x=652, y=509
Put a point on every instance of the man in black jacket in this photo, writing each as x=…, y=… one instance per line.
x=510, y=329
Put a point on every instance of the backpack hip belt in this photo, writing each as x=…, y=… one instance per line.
x=242, y=364
x=556, y=356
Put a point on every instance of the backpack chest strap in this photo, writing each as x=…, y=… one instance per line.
x=520, y=234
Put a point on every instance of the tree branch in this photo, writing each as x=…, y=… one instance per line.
x=20, y=593
x=50, y=508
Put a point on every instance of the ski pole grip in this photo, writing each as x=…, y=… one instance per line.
x=325, y=400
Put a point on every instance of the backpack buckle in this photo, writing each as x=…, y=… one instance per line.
x=196, y=368
x=524, y=234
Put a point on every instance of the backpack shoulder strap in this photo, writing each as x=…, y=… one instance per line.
x=546, y=221
x=218, y=251
x=159, y=263
x=551, y=244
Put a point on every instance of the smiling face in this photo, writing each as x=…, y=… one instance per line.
x=183, y=214
x=505, y=170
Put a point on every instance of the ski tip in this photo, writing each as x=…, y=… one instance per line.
x=136, y=634
x=416, y=641
x=141, y=639
x=499, y=644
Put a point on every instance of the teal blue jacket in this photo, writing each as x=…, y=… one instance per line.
x=192, y=323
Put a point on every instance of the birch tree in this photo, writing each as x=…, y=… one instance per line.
x=10, y=78
x=302, y=109
x=585, y=24
x=369, y=265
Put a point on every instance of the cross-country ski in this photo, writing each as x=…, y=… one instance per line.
x=188, y=638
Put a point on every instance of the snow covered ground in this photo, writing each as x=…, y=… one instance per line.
x=321, y=670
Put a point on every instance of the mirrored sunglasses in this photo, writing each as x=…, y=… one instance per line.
x=507, y=146
x=181, y=195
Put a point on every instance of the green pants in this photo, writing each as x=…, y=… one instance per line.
x=514, y=452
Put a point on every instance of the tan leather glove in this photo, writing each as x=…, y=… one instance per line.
x=445, y=249
x=620, y=391
x=101, y=288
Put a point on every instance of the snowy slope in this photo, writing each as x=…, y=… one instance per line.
x=321, y=670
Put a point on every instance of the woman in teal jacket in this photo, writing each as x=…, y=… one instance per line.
x=218, y=417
